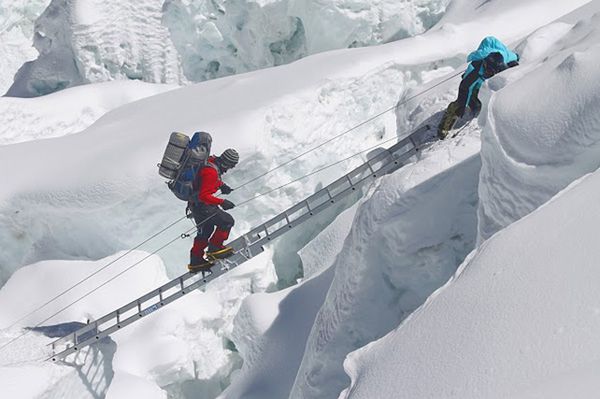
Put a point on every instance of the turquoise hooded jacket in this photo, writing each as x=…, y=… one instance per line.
x=487, y=46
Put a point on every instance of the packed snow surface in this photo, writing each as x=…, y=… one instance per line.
x=187, y=340
x=529, y=156
x=519, y=320
x=64, y=113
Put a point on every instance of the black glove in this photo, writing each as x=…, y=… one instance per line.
x=512, y=64
x=225, y=189
x=227, y=205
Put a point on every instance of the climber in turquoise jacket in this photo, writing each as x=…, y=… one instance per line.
x=490, y=58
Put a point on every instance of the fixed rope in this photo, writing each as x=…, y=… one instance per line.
x=193, y=229
x=187, y=233
x=406, y=100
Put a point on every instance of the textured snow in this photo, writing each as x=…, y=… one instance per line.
x=95, y=41
x=529, y=156
x=346, y=23
x=519, y=319
x=64, y=113
x=180, y=41
x=406, y=241
x=16, y=31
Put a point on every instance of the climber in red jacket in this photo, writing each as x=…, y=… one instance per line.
x=213, y=223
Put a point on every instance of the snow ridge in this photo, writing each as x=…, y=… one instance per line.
x=530, y=156
x=394, y=250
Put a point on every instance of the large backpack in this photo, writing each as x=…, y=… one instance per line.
x=181, y=161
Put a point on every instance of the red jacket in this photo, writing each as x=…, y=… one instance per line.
x=208, y=181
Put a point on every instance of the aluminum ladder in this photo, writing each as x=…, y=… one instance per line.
x=247, y=246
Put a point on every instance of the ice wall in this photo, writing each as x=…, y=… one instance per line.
x=16, y=30
x=334, y=24
x=95, y=41
x=174, y=41
x=542, y=128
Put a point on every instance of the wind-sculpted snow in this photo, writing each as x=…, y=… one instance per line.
x=519, y=320
x=63, y=113
x=16, y=30
x=406, y=241
x=171, y=41
x=271, y=330
x=543, y=129
x=158, y=354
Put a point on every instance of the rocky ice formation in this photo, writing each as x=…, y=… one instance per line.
x=16, y=30
x=96, y=41
x=177, y=41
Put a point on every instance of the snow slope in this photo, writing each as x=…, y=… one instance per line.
x=69, y=204
x=113, y=185
x=64, y=113
x=529, y=156
x=406, y=241
x=520, y=317
x=519, y=320
x=273, y=331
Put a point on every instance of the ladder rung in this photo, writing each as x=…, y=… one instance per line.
x=245, y=249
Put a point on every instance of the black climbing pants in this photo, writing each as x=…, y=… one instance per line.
x=207, y=217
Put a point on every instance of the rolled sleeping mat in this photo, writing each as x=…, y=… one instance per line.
x=173, y=153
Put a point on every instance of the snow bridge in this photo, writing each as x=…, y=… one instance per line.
x=246, y=246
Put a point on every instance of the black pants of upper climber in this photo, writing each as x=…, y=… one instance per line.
x=209, y=217
x=469, y=84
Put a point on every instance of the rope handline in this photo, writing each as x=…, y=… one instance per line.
x=243, y=185
x=94, y=290
x=350, y=130
x=187, y=232
x=96, y=272
x=194, y=229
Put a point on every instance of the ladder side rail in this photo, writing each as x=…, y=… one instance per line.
x=322, y=193
x=146, y=311
x=126, y=308
x=240, y=243
x=384, y=170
